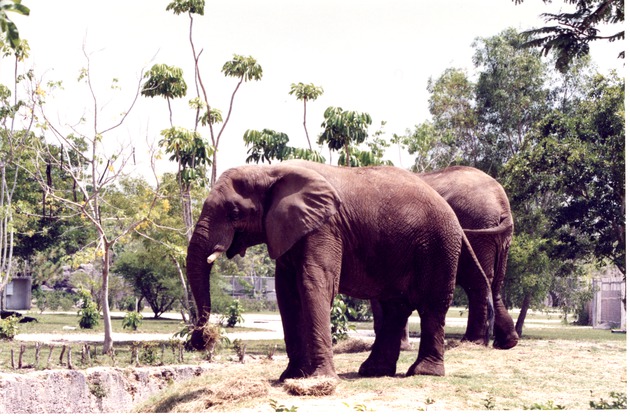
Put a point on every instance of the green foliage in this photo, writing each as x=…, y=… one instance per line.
x=153, y=276
x=574, y=173
x=53, y=300
x=187, y=6
x=266, y=145
x=88, y=311
x=9, y=327
x=8, y=29
x=244, y=68
x=164, y=80
x=549, y=405
x=269, y=145
x=281, y=408
x=344, y=128
x=619, y=402
x=190, y=151
x=570, y=38
x=339, y=315
x=132, y=320
x=233, y=315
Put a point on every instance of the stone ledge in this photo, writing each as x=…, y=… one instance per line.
x=94, y=390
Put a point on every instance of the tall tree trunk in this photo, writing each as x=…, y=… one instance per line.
x=108, y=341
x=521, y=316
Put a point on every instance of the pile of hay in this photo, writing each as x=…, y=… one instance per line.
x=236, y=390
x=352, y=345
x=317, y=387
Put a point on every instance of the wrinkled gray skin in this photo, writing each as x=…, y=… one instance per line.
x=483, y=210
x=372, y=233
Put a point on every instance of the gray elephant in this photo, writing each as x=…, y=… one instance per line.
x=372, y=233
x=483, y=210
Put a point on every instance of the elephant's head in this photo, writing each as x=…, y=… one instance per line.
x=249, y=205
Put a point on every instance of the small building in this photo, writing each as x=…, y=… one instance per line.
x=16, y=295
x=608, y=310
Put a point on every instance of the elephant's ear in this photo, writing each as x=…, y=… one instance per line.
x=300, y=201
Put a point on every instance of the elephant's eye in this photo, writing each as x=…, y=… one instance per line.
x=233, y=214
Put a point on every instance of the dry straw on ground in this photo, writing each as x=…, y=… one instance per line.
x=314, y=387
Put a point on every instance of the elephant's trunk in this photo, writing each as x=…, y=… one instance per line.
x=198, y=274
x=211, y=237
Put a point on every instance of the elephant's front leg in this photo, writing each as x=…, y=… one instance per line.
x=292, y=322
x=317, y=265
x=386, y=349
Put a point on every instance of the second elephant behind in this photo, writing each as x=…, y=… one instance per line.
x=483, y=210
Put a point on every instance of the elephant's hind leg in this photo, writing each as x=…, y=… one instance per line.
x=430, y=359
x=386, y=349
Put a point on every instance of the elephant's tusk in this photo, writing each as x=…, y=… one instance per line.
x=213, y=257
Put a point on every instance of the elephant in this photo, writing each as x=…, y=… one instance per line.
x=483, y=210
x=372, y=233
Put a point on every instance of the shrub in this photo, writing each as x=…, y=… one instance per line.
x=88, y=312
x=132, y=320
x=339, y=314
x=233, y=315
x=9, y=327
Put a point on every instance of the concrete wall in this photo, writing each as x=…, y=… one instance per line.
x=17, y=294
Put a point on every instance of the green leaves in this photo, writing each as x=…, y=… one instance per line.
x=306, y=92
x=570, y=38
x=343, y=128
x=245, y=68
x=187, y=6
x=192, y=153
x=166, y=81
x=7, y=27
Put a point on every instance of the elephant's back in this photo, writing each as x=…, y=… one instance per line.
x=478, y=200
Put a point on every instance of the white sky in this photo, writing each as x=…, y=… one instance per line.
x=372, y=56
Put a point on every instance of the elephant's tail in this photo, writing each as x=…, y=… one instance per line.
x=505, y=226
x=490, y=320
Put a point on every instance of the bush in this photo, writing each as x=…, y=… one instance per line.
x=88, y=312
x=339, y=314
x=132, y=320
x=53, y=300
x=233, y=315
x=9, y=327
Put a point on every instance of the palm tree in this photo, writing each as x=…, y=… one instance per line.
x=305, y=93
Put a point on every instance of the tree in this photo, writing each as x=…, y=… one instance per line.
x=166, y=81
x=306, y=93
x=511, y=96
x=269, y=145
x=15, y=134
x=152, y=275
x=243, y=68
x=579, y=156
x=193, y=156
x=344, y=128
x=455, y=120
x=573, y=33
x=88, y=159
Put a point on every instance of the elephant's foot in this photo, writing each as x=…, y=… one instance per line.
x=405, y=345
x=427, y=367
x=294, y=372
x=505, y=343
x=370, y=369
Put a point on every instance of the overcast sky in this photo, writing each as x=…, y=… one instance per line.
x=368, y=55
